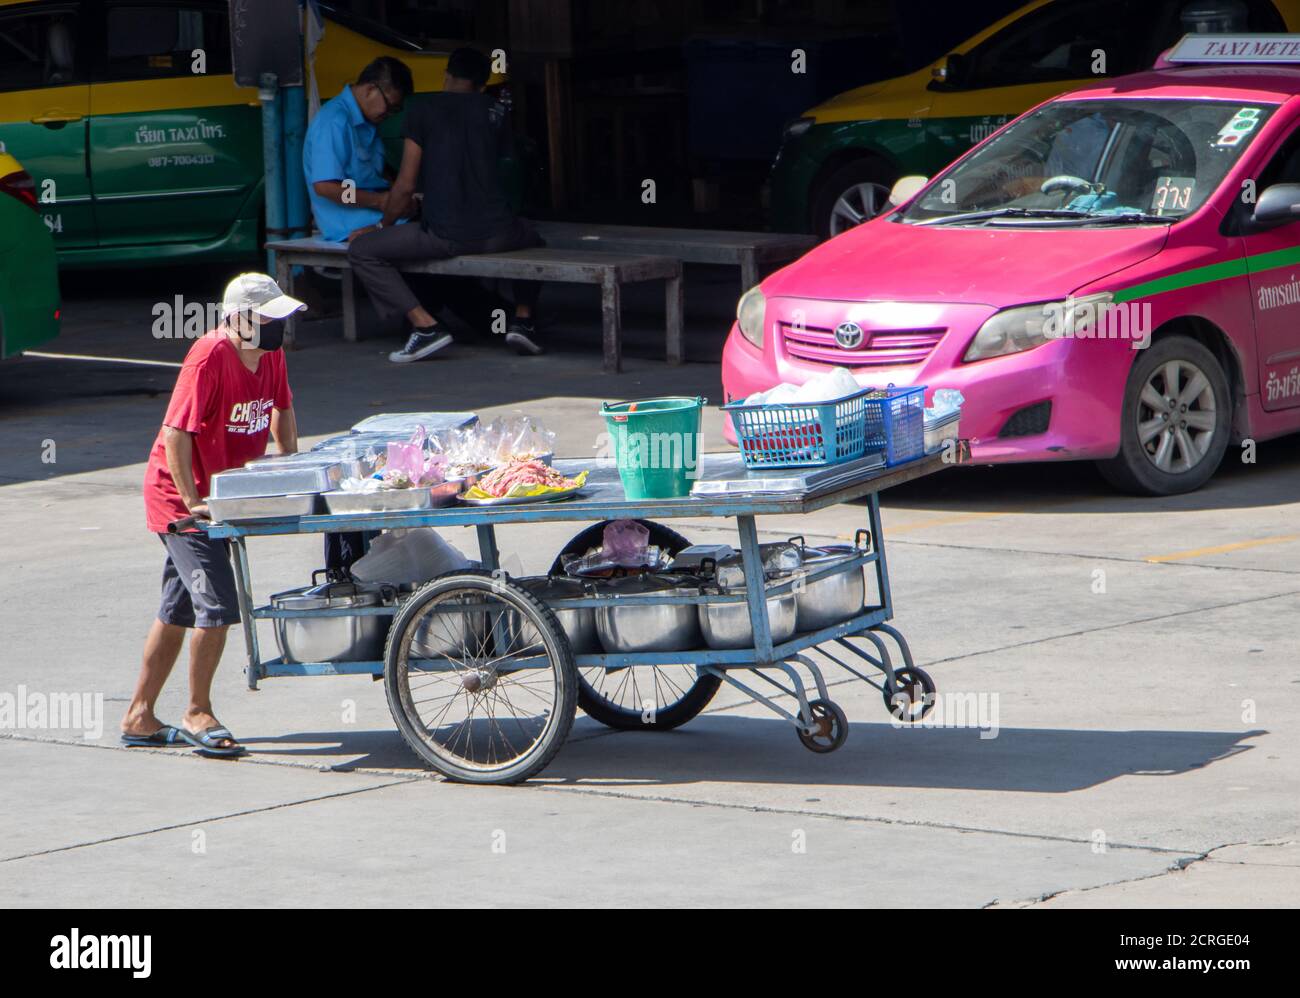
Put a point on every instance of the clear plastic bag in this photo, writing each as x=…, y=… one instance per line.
x=401, y=557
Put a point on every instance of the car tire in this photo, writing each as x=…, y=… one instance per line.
x=850, y=183
x=1159, y=465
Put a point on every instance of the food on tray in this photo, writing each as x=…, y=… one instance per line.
x=396, y=478
x=506, y=440
x=467, y=470
x=523, y=478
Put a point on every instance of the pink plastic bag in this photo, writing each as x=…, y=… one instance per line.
x=414, y=462
x=624, y=542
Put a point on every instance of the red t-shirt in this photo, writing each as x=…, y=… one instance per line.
x=227, y=408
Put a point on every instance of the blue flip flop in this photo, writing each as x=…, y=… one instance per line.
x=206, y=741
x=168, y=736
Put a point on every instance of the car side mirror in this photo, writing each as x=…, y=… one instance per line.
x=1277, y=205
x=906, y=188
x=951, y=71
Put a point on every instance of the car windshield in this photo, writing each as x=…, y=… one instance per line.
x=1087, y=162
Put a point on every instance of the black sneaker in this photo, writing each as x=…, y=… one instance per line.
x=421, y=345
x=521, y=336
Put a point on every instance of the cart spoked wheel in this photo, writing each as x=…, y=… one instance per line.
x=480, y=678
x=913, y=694
x=645, y=698
x=831, y=727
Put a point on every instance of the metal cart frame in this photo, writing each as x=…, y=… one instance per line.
x=852, y=644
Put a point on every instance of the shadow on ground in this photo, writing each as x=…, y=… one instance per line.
x=738, y=750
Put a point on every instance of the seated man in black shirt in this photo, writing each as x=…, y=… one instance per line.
x=452, y=144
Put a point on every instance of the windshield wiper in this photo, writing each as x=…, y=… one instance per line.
x=1131, y=218
x=978, y=216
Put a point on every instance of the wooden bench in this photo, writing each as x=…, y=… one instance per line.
x=573, y=266
x=750, y=251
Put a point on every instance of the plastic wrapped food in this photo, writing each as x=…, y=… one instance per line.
x=410, y=464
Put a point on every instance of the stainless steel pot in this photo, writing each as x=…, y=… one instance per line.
x=656, y=627
x=727, y=625
x=328, y=638
x=779, y=558
x=579, y=623
x=835, y=597
x=447, y=633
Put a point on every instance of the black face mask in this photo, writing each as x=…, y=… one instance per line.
x=268, y=336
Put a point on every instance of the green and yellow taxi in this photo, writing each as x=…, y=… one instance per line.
x=839, y=160
x=127, y=117
x=29, y=273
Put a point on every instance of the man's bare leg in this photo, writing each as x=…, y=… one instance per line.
x=161, y=649
x=206, y=647
x=420, y=318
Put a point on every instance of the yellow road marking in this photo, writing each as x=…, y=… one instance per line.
x=1223, y=548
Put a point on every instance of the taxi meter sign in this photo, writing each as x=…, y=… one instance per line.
x=1229, y=49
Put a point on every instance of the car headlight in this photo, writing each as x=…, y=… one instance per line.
x=797, y=127
x=750, y=311
x=1014, y=330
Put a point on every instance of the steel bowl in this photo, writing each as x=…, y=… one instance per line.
x=832, y=598
x=450, y=635
x=727, y=625
x=331, y=638
x=578, y=622
x=653, y=627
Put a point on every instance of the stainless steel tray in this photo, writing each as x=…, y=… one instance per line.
x=261, y=507
x=377, y=502
x=727, y=475
x=267, y=478
x=404, y=423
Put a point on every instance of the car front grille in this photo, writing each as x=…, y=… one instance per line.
x=880, y=347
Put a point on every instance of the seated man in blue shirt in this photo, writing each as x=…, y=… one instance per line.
x=343, y=155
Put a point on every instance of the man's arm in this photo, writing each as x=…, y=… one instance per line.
x=284, y=428
x=180, y=462
x=399, y=198
x=332, y=190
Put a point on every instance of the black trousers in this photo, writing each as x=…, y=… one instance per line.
x=374, y=255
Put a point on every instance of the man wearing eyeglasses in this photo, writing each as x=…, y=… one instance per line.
x=343, y=155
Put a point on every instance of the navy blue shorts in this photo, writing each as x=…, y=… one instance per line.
x=198, y=583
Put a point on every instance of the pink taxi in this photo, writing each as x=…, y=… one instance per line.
x=1112, y=276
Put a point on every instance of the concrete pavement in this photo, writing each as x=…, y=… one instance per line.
x=1137, y=660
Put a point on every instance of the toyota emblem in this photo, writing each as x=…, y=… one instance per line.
x=848, y=335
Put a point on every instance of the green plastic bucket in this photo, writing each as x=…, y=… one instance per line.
x=656, y=445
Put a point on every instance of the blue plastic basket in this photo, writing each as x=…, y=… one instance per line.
x=895, y=423
x=786, y=436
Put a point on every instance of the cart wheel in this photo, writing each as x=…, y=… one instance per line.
x=913, y=694
x=832, y=727
x=480, y=678
x=644, y=698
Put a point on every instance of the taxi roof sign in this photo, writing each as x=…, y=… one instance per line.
x=1236, y=49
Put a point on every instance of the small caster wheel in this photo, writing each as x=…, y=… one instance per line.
x=913, y=695
x=832, y=727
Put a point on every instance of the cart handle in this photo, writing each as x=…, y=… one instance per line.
x=861, y=539
x=183, y=524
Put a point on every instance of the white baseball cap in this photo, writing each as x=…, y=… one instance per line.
x=258, y=293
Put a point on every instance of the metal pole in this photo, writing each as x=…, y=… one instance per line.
x=273, y=161
x=294, y=123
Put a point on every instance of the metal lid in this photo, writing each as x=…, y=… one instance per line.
x=327, y=596
x=637, y=585
x=552, y=587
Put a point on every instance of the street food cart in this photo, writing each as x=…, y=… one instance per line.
x=482, y=677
